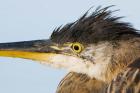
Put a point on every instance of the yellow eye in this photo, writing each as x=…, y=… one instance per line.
x=77, y=47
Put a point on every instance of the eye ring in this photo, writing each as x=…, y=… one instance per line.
x=77, y=47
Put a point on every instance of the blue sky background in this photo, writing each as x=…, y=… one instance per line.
x=35, y=19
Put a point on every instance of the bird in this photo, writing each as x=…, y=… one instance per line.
x=101, y=53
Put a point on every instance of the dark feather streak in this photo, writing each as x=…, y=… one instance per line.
x=96, y=27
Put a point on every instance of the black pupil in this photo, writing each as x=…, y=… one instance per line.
x=76, y=47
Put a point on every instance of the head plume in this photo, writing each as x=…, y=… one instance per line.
x=96, y=27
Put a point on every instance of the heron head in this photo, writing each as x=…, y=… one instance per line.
x=85, y=46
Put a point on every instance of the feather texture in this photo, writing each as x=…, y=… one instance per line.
x=127, y=81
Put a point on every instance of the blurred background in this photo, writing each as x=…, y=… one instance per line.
x=22, y=20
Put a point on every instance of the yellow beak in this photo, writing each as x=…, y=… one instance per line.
x=27, y=55
x=38, y=50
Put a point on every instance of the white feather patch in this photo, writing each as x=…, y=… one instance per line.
x=97, y=70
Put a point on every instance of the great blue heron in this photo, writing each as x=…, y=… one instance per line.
x=101, y=53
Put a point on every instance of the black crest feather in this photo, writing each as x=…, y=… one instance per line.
x=96, y=27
